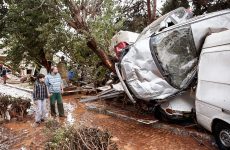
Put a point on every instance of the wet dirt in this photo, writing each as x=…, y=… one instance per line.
x=129, y=135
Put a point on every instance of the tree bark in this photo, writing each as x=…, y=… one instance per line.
x=149, y=11
x=44, y=61
x=102, y=55
x=154, y=9
x=79, y=24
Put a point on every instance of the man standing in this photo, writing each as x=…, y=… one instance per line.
x=4, y=75
x=40, y=95
x=1, y=67
x=55, y=86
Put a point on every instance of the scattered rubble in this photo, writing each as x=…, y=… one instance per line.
x=108, y=94
x=9, y=138
x=11, y=107
x=82, y=138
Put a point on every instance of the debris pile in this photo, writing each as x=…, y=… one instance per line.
x=104, y=95
x=82, y=138
x=11, y=107
x=8, y=138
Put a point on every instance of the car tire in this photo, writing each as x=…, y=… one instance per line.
x=160, y=114
x=221, y=133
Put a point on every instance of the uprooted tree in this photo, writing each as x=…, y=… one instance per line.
x=35, y=30
x=77, y=137
x=85, y=15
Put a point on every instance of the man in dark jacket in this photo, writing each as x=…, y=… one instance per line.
x=4, y=71
x=1, y=67
x=40, y=96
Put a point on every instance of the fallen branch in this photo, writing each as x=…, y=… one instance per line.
x=82, y=138
x=11, y=107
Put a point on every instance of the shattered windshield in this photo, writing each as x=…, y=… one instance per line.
x=176, y=53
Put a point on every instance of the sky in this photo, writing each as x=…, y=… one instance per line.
x=160, y=3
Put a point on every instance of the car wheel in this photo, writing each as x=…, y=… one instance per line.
x=222, y=135
x=160, y=114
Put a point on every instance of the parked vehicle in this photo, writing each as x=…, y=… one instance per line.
x=213, y=88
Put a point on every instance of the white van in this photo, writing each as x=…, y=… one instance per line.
x=213, y=89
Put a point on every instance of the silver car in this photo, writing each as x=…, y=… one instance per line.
x=161, y=66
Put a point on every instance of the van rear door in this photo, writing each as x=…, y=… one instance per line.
x=214, y=71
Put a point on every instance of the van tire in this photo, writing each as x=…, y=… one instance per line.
x=221, y=128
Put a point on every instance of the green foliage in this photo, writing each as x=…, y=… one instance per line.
x=134, y=16
x=35, y=28
x=201, y=6
x=170, y=5
x=3, y=11
x=28, y=24
x=103, y=27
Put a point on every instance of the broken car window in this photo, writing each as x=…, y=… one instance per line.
x=176, y=55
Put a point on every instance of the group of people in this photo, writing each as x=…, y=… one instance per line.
x=3, y=73
x=48, y=87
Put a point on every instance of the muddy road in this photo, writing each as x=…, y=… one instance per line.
x=128, y=134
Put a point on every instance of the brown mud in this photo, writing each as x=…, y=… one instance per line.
x=129, y=135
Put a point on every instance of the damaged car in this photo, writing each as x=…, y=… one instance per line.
x=162, y=65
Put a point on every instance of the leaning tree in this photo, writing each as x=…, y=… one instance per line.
x=97, y=21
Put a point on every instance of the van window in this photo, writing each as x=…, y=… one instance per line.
x=175, y=53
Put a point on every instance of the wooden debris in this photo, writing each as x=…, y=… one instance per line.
x=108, y=94
x=80, y=138
x=11, y=107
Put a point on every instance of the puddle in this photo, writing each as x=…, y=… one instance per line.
x=69, y=109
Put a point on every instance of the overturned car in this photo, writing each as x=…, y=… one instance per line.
x=161, y=66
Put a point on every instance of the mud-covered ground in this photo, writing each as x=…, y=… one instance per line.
x=128, y=134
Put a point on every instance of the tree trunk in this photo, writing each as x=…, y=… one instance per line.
x=102, y=55
x=149, y=11
x=44, y=61
x=79, y=24
x=154, y=9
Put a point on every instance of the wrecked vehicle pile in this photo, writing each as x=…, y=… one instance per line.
x=161, y=66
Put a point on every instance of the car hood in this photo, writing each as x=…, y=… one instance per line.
x=142, y=75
